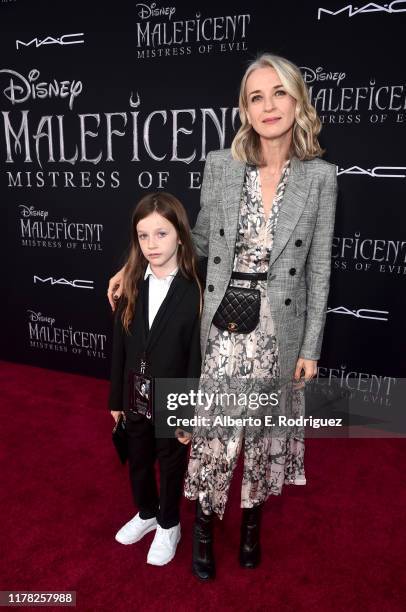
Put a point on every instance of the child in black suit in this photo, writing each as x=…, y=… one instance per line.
x=156, y=335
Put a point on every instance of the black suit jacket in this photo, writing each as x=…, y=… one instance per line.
x=173, y=340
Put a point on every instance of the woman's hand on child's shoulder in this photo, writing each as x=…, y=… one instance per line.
x=115, y=288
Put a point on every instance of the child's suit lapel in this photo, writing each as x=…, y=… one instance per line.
x=167, y=309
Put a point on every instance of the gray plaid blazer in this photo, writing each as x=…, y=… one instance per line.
x=300, y=263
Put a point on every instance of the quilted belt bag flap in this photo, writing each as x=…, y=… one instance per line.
x=239, y=310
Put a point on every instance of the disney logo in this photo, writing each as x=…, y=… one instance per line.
x=146, y=11
x=310, y=75
x=38, y=316
x=21, y=89
x=29, y=211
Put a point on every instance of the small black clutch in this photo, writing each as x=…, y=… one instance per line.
x=120, y=439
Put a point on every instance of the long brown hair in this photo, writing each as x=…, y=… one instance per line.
x=172, y=210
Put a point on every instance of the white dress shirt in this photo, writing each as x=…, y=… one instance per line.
x=158, y=288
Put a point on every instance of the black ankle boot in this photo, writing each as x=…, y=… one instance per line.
x=250, y=548
x=203, y=561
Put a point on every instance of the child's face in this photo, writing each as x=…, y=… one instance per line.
x=158, y=241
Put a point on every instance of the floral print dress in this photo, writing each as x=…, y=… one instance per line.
x=245, y=362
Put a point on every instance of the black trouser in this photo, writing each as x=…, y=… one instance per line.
x=143, y=450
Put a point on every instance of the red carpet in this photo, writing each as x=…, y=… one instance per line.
x=336, y=544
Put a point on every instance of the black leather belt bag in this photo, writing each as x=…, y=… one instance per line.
x=239, y=309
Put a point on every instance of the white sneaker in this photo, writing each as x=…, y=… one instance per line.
x=134, y=530
x=163, y=547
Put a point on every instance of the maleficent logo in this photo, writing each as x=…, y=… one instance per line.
x=370, y=387
x=44, y=335
x=204, y=34
x=174, y=135
x=351, y=103
x=359, y=253
x=36, y=230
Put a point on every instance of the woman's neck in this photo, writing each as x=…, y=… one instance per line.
x=275, y=154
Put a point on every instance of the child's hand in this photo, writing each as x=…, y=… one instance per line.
x=115, y=414
x=184, y=437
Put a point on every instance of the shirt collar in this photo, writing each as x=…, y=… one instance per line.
x=149, y=271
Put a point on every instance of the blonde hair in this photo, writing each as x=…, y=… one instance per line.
x=246, y=146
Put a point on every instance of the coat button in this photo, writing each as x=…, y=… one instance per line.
x=292, y=271
x=221, y=232
x=299, y=242
x=210, y=288
x=217, y=260
x=288, y=301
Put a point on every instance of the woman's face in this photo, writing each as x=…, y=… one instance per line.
x=158, y=241
x=271, y=110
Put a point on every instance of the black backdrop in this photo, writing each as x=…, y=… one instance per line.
x=123, y=85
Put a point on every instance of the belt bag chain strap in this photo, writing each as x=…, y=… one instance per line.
x=239, y=309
